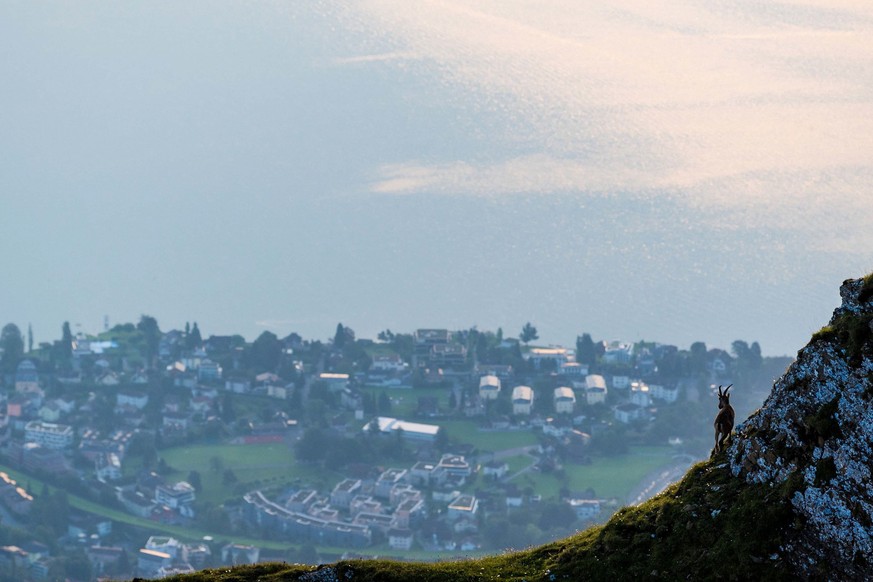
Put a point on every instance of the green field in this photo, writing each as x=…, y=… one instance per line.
x=256, y=465
x=404, y=401
x=467, y=431
x=609, y=477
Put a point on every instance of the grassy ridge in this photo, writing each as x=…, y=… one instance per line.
x=710, y=525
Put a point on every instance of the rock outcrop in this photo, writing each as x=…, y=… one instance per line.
x=817, y=428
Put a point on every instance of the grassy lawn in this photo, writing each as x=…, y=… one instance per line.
x=254, y=465
x=610, y=477
x=404, y=401
x=518, y=462
x=467, y=431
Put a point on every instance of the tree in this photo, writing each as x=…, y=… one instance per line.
x=528, y=333
x=193, y=339
x=698, y=357
x=265, y=352
x=66, y=341
x=441, y=441
x=384, y=404
x=339, y=338
x=148, y=326
x=12, y=344
x=29, y=338
x=195, y=481
x=755, y=358
x=586, y=353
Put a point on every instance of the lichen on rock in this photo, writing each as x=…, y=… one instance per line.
x=818, y=424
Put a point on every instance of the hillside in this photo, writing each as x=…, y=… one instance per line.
x=790, y=497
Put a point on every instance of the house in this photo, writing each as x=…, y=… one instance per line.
x=618, y=353
x=175, y=496
x=104, y=558
x=595, y=389
x=400, y=539
x=413, y=431
x=108, y=378
x=387, y=480
x=136, y=503
x=620, y=382
x=344, y=492
x=131, y=398
x=584, y=508
x=238, y=385
x=390, y=363
x=489, y=387
x=464, y=507
x=553, y=358
x=150, y=562
x=639, y=394
x=50, y=412
x=425, y=339
x=522, y=400
x=718, y=362
x=502, y=371
x=335, y=382
x=48, y=435
x=627, y=413
x=574, y=369
x=668, y=394
x=107, y=467
x=496, y=469
x=455, y=466
x=167, y=545
x=448, y=355
x=421, y=473
x=564, y=399
x=26, y=377
x=209, y=371
x=240, y=554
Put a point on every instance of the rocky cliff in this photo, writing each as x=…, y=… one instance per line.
x=790, y=498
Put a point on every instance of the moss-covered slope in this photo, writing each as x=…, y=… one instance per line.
x=790, y=498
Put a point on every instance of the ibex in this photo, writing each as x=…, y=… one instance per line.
x=724, y=420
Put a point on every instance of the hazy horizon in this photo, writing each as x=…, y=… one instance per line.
x=680, y=172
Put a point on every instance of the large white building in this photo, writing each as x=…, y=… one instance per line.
x=565, y=400
x=175, y=496
x=415, y=431
x=48, y=435
x=489, y=387
x=595, y=389
x=557, y=357
x=522, y=399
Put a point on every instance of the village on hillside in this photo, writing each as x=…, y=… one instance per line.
x=141, y=452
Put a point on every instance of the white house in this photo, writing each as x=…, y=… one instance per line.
x=565, y=400
x=465, y=506
x=48, y=435
x=522, y=399
x=585, y=508
x=489, y=387
x=668, y=394
x=627, y=413
x=595, y=389
x=640, y=394
x=573, y=369
x=175, y=496
x=557, y=357
x=388, y=363
x=400, y=538
x=132, y=398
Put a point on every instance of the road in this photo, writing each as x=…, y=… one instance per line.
x=656, y=481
